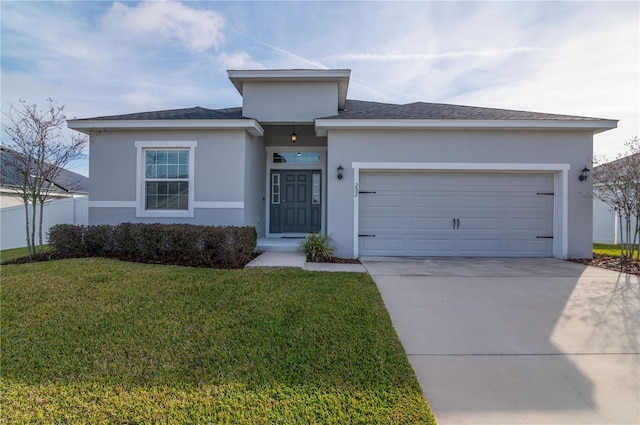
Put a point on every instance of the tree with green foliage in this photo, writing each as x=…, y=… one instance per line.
x=617, y=184
x=42, y=150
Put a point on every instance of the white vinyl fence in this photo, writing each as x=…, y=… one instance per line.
x=606, y=224
x=61, y=211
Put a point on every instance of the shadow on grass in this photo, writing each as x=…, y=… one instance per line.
x=113, y=330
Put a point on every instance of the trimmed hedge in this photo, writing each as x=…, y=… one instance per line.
x=182, y=244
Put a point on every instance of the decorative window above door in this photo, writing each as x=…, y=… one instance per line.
x=296, y=157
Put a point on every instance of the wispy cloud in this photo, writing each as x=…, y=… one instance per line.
x=101, y=58
x=404, y=56
x=199, y=30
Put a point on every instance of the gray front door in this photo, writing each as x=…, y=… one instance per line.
x=295, y=201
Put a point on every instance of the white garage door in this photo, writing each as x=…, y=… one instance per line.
x=456, y=214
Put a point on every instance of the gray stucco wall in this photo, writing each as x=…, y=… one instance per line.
x=289, y=102
x=254, y=185
x=204, y=217
x=219, y=174
x=454, y=146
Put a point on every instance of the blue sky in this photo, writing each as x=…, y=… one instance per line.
x=102, y=58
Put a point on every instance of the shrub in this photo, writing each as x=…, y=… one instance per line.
x=98, y=240
x=183, y=244
x=317, y=247
x=67, y=240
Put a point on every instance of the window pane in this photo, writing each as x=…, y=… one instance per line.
x=167, y=195
x=169, y=165
x=296, y=157
x=150, y=160
x=162, y=157
x=315, y=192
x=275, y=188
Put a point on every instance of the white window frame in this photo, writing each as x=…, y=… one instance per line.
x=141, y=146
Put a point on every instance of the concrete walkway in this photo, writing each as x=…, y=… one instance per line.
x=517, y=341
x=297, y=259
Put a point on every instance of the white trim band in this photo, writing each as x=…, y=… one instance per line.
x=113, y=204
x=323, y=125
x=197, y=204
x=218, y=205
x=250, y=125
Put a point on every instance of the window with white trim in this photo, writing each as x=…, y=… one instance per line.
x=165, y=179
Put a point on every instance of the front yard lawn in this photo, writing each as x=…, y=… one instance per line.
x=102, y=341
x=606, y=249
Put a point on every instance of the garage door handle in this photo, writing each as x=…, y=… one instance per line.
x=456, y=223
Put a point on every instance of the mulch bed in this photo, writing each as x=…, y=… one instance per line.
x=336, y=260
x=622, y=265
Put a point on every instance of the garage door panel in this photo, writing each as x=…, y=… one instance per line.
x=382, y=200
x=431, y=200
x=430, y=247
x=471, y=246
x=436, y=182
x=383, y=223
x=430, y=223
x=383, y=246
x=499, y=214
x=535, y=225
x=480, y=224
x=533, y=248
x=479, y=200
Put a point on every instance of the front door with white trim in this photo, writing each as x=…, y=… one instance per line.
x=295, y=201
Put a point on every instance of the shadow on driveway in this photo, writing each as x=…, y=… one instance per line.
x=506, y=341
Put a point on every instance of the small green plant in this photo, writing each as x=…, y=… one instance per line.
x=317, y=247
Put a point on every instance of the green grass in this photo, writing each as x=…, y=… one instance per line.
x=102, y=341
x=14, y=253
x=606, y=249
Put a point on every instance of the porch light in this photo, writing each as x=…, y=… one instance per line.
x=294, y=136
x=584, y=175
x=340, y=170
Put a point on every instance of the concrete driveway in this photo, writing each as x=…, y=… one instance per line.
x=517, y=341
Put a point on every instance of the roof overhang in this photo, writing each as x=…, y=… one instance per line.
x=86, y=126
x=323, y=125
x=339, y=76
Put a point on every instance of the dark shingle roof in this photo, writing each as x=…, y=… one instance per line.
x=196, y=113
x=358, y=109
x=66, y=182
x=440, y=111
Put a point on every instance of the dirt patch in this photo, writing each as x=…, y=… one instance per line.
x=622, y=265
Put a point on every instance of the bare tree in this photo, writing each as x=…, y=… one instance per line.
x=42, y=152
x=617, y=184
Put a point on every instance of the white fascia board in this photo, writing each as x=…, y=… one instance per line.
x=249, y=125
x=597, y=126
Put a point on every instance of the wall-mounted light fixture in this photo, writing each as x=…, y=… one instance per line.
x=294, y=136
x=340, y=170
x=584, y=174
